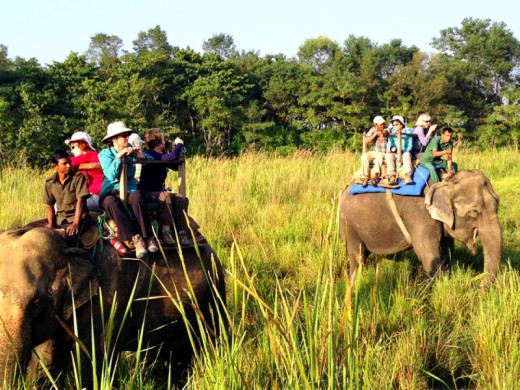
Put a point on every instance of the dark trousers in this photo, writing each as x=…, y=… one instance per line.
x=170, y=205
x=117, y=211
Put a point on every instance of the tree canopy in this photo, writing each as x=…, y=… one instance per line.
x=226, y=101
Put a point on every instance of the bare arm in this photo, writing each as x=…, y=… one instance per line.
x=74, y=227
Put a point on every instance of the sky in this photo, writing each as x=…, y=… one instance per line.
x=50, y=30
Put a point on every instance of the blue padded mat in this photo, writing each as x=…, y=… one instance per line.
x=420, y=177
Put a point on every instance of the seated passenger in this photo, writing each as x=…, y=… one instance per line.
x=424, y=131
x=378, y=137
x=398, y=125
x=81, y=147
x=173, y=208
x=438, y=147
x=111, y=162
x=67, y=190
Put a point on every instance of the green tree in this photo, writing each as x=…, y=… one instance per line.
x=318, y=53
x=221, y=44
x=154, y=40
x=490, y=47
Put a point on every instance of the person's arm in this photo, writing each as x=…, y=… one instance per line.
x=82, y=192
x=77, y=160
x=174, y=154
x=51, y=217
x=440, y=153
x=110, y=164
x=424, y=139
x=371, y=136
x=73, y=228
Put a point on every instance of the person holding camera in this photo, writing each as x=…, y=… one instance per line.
x=378, y=136
x=173, y=208
x=398, y=126
x=111, y=160
x=423, y=133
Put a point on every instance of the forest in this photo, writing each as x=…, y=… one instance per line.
x=225, y=101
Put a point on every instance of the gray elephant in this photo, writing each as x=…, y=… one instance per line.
x=40, y=274
x=460, y=208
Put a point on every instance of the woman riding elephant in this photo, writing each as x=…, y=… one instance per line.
x=460, y=208
x=43, y=279
x=111, y=160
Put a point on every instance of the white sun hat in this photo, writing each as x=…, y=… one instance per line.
x=116, y=128
x=80, y=136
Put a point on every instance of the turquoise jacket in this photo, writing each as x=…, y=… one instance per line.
x=112, y=170
x=406, y=141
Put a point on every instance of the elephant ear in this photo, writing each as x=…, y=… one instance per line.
x=438, y=203
x=81, y=280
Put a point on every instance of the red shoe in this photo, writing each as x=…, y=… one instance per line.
x=120, y=247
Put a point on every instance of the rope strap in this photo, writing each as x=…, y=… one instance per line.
x=398, y=219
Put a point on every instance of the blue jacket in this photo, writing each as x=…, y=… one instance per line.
x=112, y=170
x=406, y=141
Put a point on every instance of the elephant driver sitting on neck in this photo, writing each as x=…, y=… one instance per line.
x=69, y=191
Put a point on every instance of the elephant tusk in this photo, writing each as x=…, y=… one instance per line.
x=475, y=234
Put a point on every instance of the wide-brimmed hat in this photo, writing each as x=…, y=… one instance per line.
x=136, y=141
x=116, y=128
x=398, y=118
x=80, y=136
x=379, y=120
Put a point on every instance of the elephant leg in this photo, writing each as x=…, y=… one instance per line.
x=50, y=355
x=427, y=246
x=357, y=254
x=448, y=251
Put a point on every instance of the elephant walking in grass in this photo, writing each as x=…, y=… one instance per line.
x=169, y=304
x=462, y=208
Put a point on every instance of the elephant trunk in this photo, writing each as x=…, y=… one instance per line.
x=14, y=346
x=491, y=237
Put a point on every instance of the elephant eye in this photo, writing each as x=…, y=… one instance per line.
x=473, y=214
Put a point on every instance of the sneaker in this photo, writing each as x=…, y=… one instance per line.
x=151, y=244
x=392, y=181
x=408, y=179
x=168, y=238
x=140, y=248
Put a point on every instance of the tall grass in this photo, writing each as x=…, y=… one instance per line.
x=295, y=321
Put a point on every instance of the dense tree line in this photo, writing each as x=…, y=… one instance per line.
x=226, y=101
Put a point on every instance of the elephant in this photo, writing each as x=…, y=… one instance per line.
x=43, y=278
x=460, y=208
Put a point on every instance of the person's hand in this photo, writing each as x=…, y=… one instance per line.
x=448, y=152
x=450, y=174
x=139, y=154
x=432, y=129
x=50, y=225
x=72, y=229
x=125, y=152
x=178, y=140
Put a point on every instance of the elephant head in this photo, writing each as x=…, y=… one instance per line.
x=468, y=207
x=41, y=279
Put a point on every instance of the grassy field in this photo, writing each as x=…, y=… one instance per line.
x=295, y=321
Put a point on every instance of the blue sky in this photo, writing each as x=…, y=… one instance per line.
x=49, y=30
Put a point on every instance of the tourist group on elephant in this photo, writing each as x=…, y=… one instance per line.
x=406, y=147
